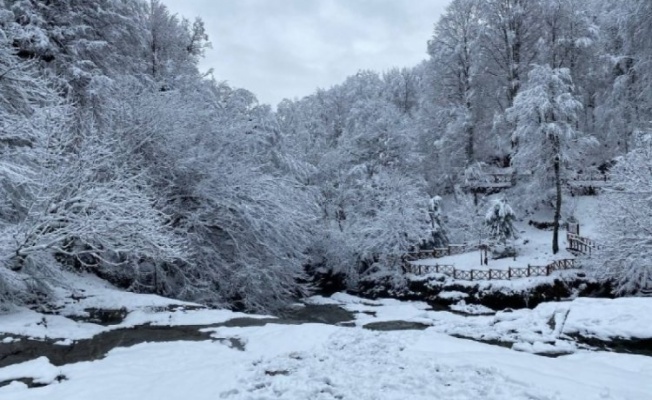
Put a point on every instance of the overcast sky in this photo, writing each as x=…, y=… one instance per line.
x=287, y=48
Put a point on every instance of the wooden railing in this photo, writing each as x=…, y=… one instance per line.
x=490, y=274
x=592, y=177
x=450, y=250
x=506, y=180
x=492, y=180
x=579, y=243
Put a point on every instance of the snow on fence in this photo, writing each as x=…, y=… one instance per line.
x=579, y=243
x=492, y=180
x=450, y=250
x=507, y=180
x=490, y=274
x=592, y=176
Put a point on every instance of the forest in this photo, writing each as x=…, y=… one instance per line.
x=120, y=158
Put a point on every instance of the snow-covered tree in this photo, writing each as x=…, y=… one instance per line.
x=173, y=45
x=510, y=36
x=625, y=241
x=500, y=219
x=545, y=114
x=455, y=54
x=465, y=218
x=438, y=231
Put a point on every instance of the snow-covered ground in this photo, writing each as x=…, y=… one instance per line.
x=326, y=362
x=533, y=246
x=314, y=361
x=88, y=292
x=549, y=328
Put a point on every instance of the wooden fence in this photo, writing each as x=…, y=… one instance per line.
x=592, y=176
x=579, y=243
x=449, y=250
x=492, y=180
x=507, y=180
x=575, y=243
x=490, y=274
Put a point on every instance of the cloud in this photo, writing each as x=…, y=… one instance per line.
x=288, y=48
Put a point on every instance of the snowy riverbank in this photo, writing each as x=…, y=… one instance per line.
x=275, y=358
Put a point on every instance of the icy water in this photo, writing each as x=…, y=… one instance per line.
x=58, y=353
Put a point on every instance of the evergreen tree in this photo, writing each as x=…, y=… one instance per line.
x=500, y=219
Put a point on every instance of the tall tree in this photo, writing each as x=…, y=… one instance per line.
x=455, y=54
x=545, y=113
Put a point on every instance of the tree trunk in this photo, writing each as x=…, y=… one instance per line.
x=557, y=217
x=470, y=141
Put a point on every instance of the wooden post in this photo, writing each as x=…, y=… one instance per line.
x=480, y=248
x=509, y=272
x=528, y=270
x=471, y=274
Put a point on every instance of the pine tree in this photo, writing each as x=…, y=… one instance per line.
x=500, y=220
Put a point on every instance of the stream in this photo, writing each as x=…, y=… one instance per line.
x=23, y=349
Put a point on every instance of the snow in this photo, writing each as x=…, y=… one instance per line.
x=533, y=245
x=24, y=322
x=452, y=295
x=537, y=251
x=40, y=370
x=548, y=328
x=325, y=362
x=90, y=292
x=320, y=362
x=605, y=319
x=471, y=309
